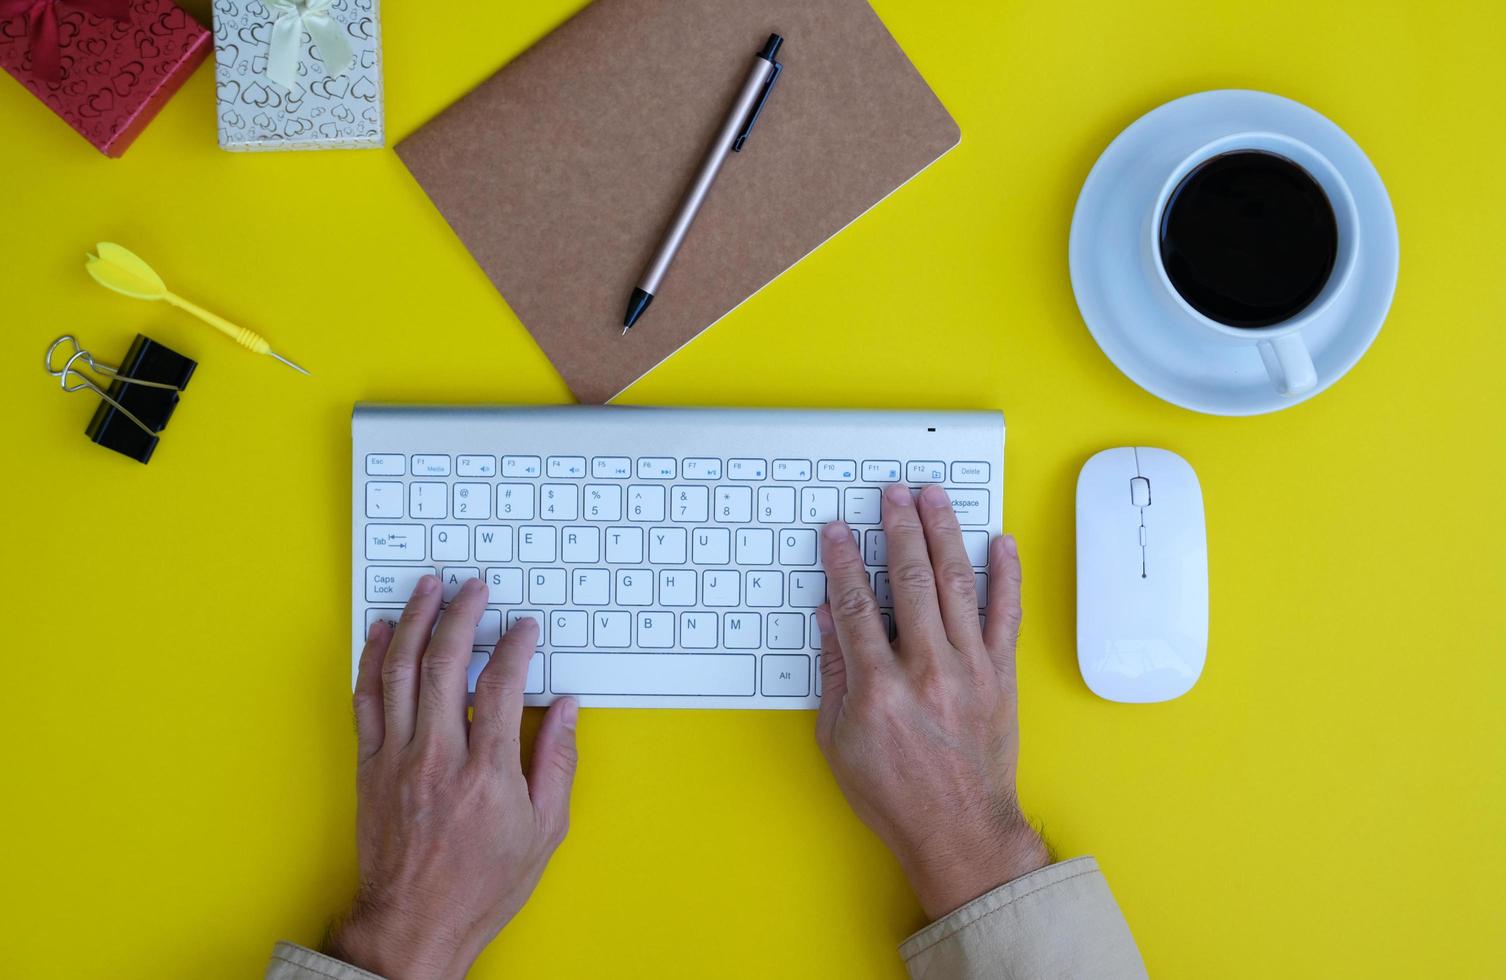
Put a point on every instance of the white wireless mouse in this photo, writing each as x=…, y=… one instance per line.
x=1142, y=575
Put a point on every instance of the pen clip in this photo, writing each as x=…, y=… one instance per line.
x=747, y=130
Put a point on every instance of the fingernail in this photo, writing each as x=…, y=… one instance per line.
x=376, y=625
x=835, y=531
x=933, y=494
x=569, y=709
x=899, y=495
x=1010, y=548
x=470, y=585
x=426, y=584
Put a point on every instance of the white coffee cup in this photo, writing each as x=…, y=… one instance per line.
x=1282, y=349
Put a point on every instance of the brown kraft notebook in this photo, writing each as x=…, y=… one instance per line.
x=561, y=171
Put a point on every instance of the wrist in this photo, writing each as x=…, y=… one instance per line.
x=968, y=863
x=393, y=944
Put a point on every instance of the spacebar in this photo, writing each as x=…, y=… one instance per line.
x=648, y=674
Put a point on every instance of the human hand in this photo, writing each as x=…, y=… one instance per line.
x=922, y=733
x=451, y=837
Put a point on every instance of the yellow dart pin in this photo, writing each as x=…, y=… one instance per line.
x=122, y=270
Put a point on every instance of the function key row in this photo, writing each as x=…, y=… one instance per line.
x=671, y=468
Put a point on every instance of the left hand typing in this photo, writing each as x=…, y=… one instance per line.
x=452, y=838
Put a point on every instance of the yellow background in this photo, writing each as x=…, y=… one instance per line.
x=1328, y=801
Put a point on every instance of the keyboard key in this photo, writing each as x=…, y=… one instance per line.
x=656, y=630
x=624, y=545
x=592, y=586
x=971, y=505
x=635, y=587
x=453, y=578
x=485, y=466
x=711, y=546
x=720, y=588
x=428, y=500
x=976, y=544
x=656, y=468
x=698, y=630
x=881, y=471
x=765, y=589
x=535, y=682
x=677, y=587
x=521, y=466
x=807, y=589
x=875, y=548
x=734, y=505
x=747, y=469
x=582, y=545
x=385, y=464
x=818, y=505
x=603, y=502
x=645, y=503
x=689, y=504
x=611, y=468
x=837, y=470
x=479, y=660
x=776, y=505
x=515, y=501
x=450, y=542
x=395, y=585
x=786, y=675
x=668, y=545
x=566, y=467
x=755, y=546
x=792, y=469
x=613, y=629
x=472, y=501
x=860, y=505
x=504, y=586
x=980, y=587
x=389, y=616
x=533, y=614
x=882, y=591
x=567, y=628
x=666, y=674
x=742, y=631
x=786, y=630
x=559, y=502
x=700, y=468
x=384, y=500
x=395, y=542
x=494, y=542
x=431, y=465
x=925, y=471
x=797, y=546
x=970, y=471
x=536, y=544
x=546, y=587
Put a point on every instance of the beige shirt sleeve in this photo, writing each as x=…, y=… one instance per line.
x=1060, y=921
x=293, y=962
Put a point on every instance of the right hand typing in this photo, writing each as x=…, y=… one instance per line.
x=922, y=734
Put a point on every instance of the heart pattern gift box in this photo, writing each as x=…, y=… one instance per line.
x=104, y=66
x=298, y=74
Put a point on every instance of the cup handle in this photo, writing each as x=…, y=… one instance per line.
x=1289, y=364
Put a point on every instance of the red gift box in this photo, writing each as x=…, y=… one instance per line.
x=105, y=66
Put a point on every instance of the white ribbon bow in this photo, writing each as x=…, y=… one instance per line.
x=293, y=18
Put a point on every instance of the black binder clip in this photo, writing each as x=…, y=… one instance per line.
x=142, y=395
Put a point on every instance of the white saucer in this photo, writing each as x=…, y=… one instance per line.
x=1171, y=357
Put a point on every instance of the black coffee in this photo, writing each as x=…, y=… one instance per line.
x=1248, y=238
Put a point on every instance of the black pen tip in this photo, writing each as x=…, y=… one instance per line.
x=635, y=308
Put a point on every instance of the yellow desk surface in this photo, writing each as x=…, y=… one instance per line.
x=1328, y=801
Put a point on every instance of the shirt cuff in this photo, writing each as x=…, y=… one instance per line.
x=1060, y=921
x=293, y=962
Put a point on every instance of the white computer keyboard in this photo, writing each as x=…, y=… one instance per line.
x=670, y=555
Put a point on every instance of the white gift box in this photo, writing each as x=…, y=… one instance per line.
x=274, y=89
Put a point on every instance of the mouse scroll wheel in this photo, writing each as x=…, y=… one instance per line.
x=1140, y=492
